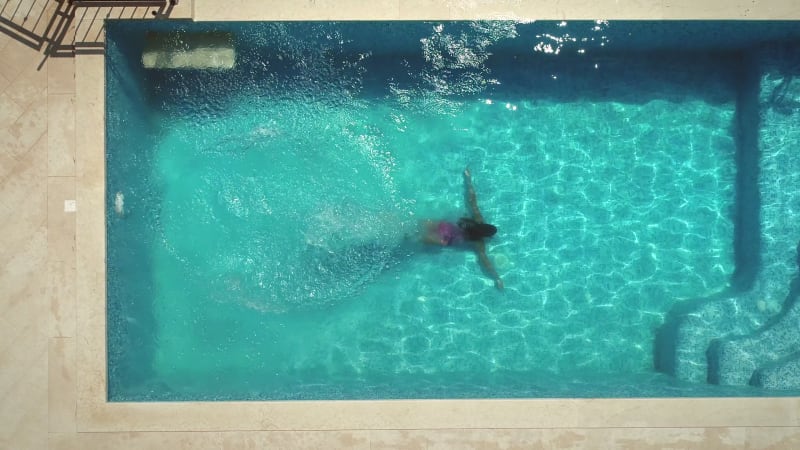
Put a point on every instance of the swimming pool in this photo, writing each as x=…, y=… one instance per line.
x=261, y=221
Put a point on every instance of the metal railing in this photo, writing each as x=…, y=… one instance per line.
x=63, y=28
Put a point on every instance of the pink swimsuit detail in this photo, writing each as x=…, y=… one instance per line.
x=449, y=233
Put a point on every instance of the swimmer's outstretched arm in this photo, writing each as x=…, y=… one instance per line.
x=480, y=247
x=471, y=198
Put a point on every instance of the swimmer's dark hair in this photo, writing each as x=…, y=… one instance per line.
x=474, y=231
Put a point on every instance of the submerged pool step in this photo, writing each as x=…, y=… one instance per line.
x=690, y=328
x=178, y=50
x=750, y=357
x=733, y=361
x=735, y=338
x=782, y=374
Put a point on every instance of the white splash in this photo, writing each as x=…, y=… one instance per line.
x=119, y=204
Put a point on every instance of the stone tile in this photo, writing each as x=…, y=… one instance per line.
x=16, y=57
x=89, y=140
x=4, y=38
x=254, y=440
x=130, y=12
x=23, y=239
x=634, y=439
x=433, y=9
x=61, y=385
x=22, y=187
x=90, y=31
x=21, y=221
x=10, y=111
x=26, y=11
x=135, y=441
x=276, y=10
x=504, y=9
x=94, y=13
x=61, y=257
x=7, y=163
x=23, y=13
x=22, y=303
x=62, y=36
x=22, y=296
x=402, y=439
x=772, y=438
x=557, y=438
x=4, y=82
x=27, y=130
x=61, y=135
x=31, y=15
x=29, y=86
x=445, y=414
x=735, y=9
x=64, y=441
x=90, y=293
x=47, y=9
x=689, y=412
x=25, y=350
x=60, y=75
x=492, y=439
x=23, y=401
x=23, y=198
x=183, y=10
x=658, y=438
x=89, y=242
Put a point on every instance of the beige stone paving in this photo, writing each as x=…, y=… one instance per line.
x=51, y=276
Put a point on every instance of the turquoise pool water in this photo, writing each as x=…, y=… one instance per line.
x=267, y=246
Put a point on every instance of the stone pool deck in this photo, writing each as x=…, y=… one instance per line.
x=52, y=312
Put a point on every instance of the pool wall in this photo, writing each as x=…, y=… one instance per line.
x=759, y=422
x=131, y=323
x=745, y=336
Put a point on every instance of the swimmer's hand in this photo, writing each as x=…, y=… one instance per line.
x=466, y=173
x=499, y=284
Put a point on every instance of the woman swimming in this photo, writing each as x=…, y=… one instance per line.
x=472, y=229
